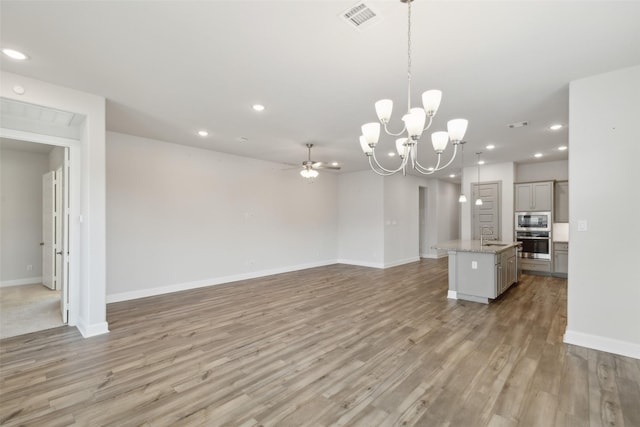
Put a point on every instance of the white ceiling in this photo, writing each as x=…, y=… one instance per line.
x=170, y=68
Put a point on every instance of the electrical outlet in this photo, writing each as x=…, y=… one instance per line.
x=583, y=225
x=474, y=265
x=29, y=267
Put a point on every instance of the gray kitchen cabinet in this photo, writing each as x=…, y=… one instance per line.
x=506, y=273
x=535, y=265
x=561, y=205
x=561, y=258
x=512, y=273
x=480, y=272
x=534, y=196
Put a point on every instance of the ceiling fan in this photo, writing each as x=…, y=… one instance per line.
x=310, y=167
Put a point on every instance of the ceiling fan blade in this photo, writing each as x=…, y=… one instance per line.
x=324, y=165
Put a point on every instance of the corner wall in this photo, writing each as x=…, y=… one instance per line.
x=401, y=219
x=603, y=278
x=442, y=216
x=360, y=219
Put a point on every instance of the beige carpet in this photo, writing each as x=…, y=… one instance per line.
x=28, y=308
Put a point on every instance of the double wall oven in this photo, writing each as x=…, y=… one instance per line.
x=533, y=230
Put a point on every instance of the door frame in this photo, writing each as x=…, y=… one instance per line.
x=74, y=197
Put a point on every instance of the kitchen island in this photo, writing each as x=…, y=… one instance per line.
x=480, y=272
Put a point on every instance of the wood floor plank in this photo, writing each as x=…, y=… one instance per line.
x=330, y=346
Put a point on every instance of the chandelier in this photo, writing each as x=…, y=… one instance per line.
x=415, y=122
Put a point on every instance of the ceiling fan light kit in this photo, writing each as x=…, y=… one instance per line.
x=309, y=167
x=415, y=123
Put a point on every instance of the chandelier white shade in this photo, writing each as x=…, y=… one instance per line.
x=414, y=124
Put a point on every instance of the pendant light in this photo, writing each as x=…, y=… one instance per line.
x=479, y=200
x=462, y=198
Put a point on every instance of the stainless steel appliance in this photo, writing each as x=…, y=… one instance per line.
x=533, y=230
x=535, y=244
x=533, y=221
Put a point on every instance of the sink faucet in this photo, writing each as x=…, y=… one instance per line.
x=482, y=233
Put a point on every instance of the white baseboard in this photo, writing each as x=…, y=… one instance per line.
x=452, y=294
x=91, y=330
x=149, y=292
x=20, y=282
x=434, y=256
x=377, y=264
x=361, y=263
x=610, y=345
x=401, y=262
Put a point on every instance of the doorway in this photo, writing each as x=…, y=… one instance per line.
x=34, y=284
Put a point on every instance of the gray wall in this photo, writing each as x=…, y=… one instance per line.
x=502, y=172
x=443, y=216
x=604, y=279
x=542, y=171
x=21, y=216
x=181, y=217
x=361, y=215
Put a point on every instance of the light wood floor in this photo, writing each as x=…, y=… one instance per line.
x=337, y=345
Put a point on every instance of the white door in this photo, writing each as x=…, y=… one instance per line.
x=486, y=217
x=63, y=180
x=48, y=230
x=57, y=223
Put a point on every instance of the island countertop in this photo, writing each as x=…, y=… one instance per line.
x=489, y=247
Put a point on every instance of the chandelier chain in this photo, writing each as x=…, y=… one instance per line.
x=409, y=56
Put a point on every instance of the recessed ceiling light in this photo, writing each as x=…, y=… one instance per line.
x=562, y=147
x=555, y=127
x=258, y=107
x=203, y=133
x=453, y=175
x=242, y=139
x=14, y=54
x=538, y=155
x=430, y=168
x=481, y=162
x=392, y=154
x=19, y=90
x=490, y=147
x=334, y=164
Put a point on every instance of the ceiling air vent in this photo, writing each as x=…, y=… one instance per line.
x=360, y=16
x=517, y=125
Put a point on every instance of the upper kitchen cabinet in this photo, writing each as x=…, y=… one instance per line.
x=561, y=206
x=534, y=196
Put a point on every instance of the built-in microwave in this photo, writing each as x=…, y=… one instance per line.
x=533, y=221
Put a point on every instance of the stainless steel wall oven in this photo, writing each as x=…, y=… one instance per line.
x=535, y=244
x=533, y=230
